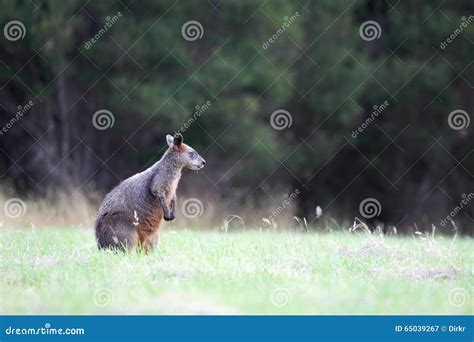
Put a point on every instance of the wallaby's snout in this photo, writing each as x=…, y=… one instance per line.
x=201, y=162
x=195, y=161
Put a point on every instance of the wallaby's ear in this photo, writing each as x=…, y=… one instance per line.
x=178, y=139
x=169, y=139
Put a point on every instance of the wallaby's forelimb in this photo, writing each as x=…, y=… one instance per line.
x=173, y=203
x=166, y=212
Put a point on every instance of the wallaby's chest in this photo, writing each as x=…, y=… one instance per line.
x=170, y=189
x=151, y=220
x=153, y=216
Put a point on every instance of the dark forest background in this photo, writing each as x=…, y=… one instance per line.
x=318, y=69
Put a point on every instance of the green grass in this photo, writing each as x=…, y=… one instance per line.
x=60, y=271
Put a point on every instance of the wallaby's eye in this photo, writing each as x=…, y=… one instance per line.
x=192, y=154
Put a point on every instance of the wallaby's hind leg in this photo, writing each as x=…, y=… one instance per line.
x=117, y=236
x=148, y=240
x=125, y=240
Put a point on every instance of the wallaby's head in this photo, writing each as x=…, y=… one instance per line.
x=185, y=155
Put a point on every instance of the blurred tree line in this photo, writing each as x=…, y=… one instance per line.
x=254, y=58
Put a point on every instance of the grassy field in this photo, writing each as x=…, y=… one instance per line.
x=60, y=271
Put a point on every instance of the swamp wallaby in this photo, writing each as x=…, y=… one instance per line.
x=131, y=214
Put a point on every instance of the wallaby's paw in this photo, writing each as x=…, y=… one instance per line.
x=169, y=218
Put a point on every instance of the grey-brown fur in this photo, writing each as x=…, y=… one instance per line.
x=131, y=214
